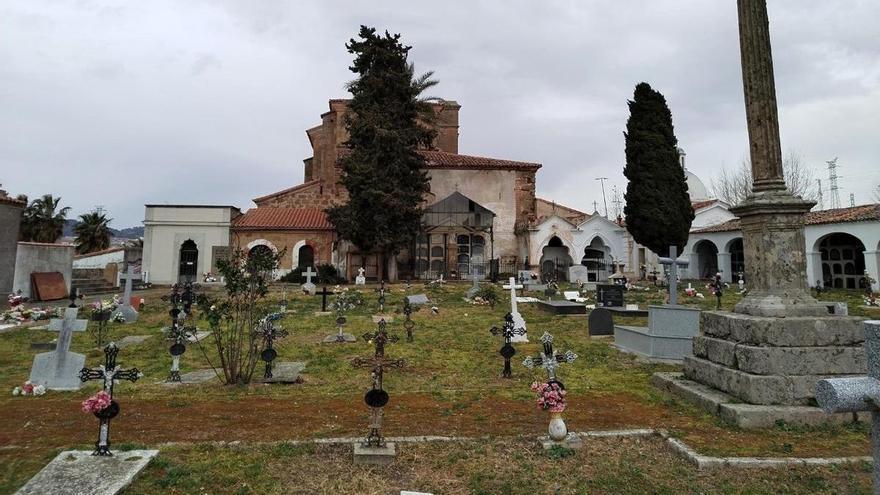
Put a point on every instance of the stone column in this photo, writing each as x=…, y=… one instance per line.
x=814, y=267
x=771, y=218
x=872, y=266
x=724, y=267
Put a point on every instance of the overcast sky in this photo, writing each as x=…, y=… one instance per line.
x=128, y=103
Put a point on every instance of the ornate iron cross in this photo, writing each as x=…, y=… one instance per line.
x=376, y=398
x=408, y=324
x=549, y=360
x=507, y=331
x=109, y=373
x=268, y=332
x=181, y=298
x=382, y=297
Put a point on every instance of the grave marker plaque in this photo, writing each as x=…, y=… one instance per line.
x=610, y=295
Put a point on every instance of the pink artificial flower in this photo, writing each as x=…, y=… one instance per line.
x=27, y=388
x=96, y=403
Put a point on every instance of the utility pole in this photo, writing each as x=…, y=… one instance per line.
x=99, y=209
x=602, y=180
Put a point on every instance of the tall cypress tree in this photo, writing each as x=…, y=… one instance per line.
x=658, y=209
x=384, y=175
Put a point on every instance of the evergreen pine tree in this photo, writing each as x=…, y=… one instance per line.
x=658, y=209
x=384, y=175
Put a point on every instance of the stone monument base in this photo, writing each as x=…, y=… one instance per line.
x=733, y=411
x=380, y=456
x=337, y=339
x=77, y=471
x=571, y=441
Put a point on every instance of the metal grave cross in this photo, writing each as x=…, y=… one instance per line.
x=548, y=359
x=267, y=330
x=673, y=263
x=376, y=398
x=518, y=320
x=408, y=324
x=507, y=331
x=179, y=332
x=129, y=313
x=857, y=394
x=382, y=297
x=109, y=374
x=324, y=293
x=56, y=370
x=309, y=274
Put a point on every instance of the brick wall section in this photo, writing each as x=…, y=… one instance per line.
x=321, y=241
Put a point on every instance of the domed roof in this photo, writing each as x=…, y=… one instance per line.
x=696, y=189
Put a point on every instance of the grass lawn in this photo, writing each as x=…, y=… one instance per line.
x=451, y=386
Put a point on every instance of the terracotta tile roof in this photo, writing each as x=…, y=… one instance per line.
x=304, y=185
x=9, y=200
x=863, y=213
x=444, y=159
x=698, y=205
x=265, y=218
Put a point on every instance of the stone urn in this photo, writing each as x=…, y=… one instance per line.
x=557, y=429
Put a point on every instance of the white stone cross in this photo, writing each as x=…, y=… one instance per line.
x=518, y=321
x=673, y=263
x=309, y=274
x=857, y=394
x=57, y=370
x=129, y=313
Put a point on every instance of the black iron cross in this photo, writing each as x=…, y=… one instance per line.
x=181, y=298
x=376, y=398
x=548, y=359
x=324, y=293
x=267, y=330
x=109, y=373
x=382, y=297
x=408, y=324
x=507, y=350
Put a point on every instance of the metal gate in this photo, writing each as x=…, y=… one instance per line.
x=189, y=261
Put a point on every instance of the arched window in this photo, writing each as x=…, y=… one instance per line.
x=260, y=249
x=306, y=257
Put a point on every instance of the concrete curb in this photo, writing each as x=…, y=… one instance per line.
x=677, y=446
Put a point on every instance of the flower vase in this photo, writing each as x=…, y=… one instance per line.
x=557, y=430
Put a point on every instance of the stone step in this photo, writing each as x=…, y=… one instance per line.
x=784, y=332
x=751, y=388
x=760, y=360
x=745, y=415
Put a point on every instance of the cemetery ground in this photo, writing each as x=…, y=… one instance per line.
x=451, y=387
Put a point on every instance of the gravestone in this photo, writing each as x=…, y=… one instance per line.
x=129, y=313
x=858, y=394
x=109, y=374
x=668, y=336
x=340, y=337
x=609, y=296
x=324, y=293
x=475, y=287
x=360, y=279
x=268, y=332
x=673, y=262
x=57, y=370
x=518, y=321
x=75, y=472
x=286, y=372
x=309, y=287
x=600, y=322
x=550, y=360
x=578, y=274
x=381, y=300
x=418, y=299
x=507, y=351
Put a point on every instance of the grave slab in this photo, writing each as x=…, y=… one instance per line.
x=131, y=340
x=418, y=299
x=334, y=339
x=600, y=322
x=193, y=377
x=387, y=318
x=380, y=456
x=572, y=441
x=76, y=472
x=198, y=336
x=562, y=307
x=285, y=372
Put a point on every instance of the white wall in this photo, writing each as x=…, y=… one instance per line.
x=100, y=260
x=713, y=215
x=166, y=228
x=34, y=257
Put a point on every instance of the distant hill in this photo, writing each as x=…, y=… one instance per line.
x=127, y=233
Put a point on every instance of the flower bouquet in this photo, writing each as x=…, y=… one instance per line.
x=551, y=396
x=28, y=388
x=97, y=404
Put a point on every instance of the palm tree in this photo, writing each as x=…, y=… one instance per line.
x=43, y=220
x=92, y=233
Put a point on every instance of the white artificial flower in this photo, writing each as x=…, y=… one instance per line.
x=16, y=391
x=39, y=390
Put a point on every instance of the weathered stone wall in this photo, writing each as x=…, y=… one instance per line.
x=36, y=257
x=10, y=221
x=314, y=195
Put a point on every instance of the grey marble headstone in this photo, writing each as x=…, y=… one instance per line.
x=578, y=274
x=128, y=312
x=59, y=369
x=76, y=472
x=285, y=372
x=417, y=299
